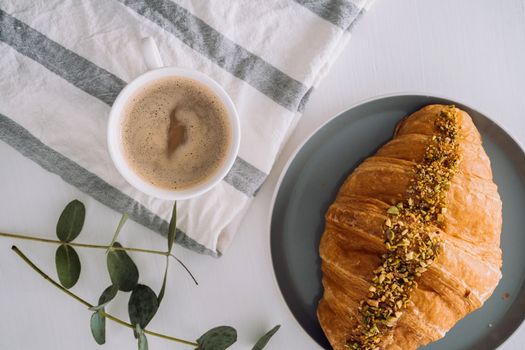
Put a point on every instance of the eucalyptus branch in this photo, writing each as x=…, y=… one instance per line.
x=99, y=246
x=89, y=305
x=82, y=245
x=143, y=302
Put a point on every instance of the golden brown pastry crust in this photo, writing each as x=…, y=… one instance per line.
x=467, y=269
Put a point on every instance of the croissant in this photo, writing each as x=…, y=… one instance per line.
x=412, y=241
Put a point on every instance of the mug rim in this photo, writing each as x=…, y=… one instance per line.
x=115, y=146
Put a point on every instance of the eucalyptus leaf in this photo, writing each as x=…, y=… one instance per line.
x=98, y=328
x=68, y=265
x=121, y=223
x=107, y=295
x=163, y=288
x=172, y=230
x=122, y=270
x=218, y=338
x=261, y=343
x=71, y=221
x=142, y=305
x=142, y=340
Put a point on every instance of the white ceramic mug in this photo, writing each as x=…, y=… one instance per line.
x=158, y=71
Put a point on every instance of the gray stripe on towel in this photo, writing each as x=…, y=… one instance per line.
x=341, y=13
x=242, y=170
x=306, y=98
x=357, y=18
x=228, y=55
x=97, y=82
x=77, y=70
x=29, y=146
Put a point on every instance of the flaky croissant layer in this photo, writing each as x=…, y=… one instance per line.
x=465, y=272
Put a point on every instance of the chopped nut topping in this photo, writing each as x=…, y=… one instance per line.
x=394, y=210
x=411, y=237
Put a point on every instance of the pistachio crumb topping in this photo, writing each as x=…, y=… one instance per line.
x=411, y=236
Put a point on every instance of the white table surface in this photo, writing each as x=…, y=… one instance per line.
x=473, y=51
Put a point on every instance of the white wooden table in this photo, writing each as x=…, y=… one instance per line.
x=473, y=51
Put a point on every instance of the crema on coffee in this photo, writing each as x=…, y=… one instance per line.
x=175, y=133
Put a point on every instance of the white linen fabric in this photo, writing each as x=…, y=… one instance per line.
x=63, y=62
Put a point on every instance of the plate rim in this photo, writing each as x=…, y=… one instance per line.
x=300, y=146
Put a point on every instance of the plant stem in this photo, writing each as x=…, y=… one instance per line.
x=185, y=268
x=82, y=245
x=88, y=305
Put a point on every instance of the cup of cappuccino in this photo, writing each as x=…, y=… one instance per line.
x=173, y=133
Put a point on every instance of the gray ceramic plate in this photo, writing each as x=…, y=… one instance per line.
x=311, y=180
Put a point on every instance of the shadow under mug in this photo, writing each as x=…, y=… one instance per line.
x=114, y=134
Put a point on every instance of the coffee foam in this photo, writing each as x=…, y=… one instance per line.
x=145, y=133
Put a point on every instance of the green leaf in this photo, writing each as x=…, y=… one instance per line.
x=122, y=270
x=163, y=288
x=218, y=338
x=143, y=342
x=107, y=295
x=121, y=223
x=71, y=221
x=142, y=305
x=261, y=343
x=172, y=233
x=68, y=265
x=98, y=328
x=172, y=230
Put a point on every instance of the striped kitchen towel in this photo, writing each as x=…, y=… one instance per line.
x=63, y=62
